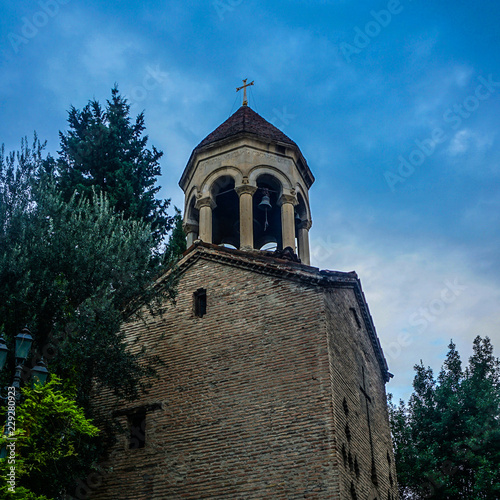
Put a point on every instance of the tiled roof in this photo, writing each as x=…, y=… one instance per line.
x=246, y=120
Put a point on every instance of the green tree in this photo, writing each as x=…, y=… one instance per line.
x=74, y=271
x=105, y=150
x=447, y=438
x=49, y=430
x=177, y=241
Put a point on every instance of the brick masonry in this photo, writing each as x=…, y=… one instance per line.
x=261, y=397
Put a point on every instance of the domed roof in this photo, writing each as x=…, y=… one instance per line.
x=246, y=120
x=246, y=123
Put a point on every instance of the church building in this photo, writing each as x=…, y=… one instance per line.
x=272, y=378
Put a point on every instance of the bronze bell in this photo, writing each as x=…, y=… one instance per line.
x=265, y=204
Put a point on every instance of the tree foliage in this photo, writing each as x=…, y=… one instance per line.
x=447, y=438
x=49, y=430
x=104, y=150
x=177, y=241
x=74, y=270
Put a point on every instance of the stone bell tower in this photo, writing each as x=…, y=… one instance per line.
x=271, y=381
x=247, y=186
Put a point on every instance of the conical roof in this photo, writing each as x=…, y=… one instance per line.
x=246, y=120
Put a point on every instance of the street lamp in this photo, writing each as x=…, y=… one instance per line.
x=39, y=374
x=24, y=341
x=23, y=344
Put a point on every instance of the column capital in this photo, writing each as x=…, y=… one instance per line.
x=305, y=224
x=190, y=227
x=245, y=189
x=288, y=198
x=205, y=201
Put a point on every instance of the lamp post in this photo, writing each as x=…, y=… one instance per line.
x=24, y=340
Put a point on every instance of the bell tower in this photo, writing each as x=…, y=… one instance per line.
x=246, y=186
x=271, y=377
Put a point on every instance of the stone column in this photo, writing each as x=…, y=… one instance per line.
x=245, y=192
x=205, y=206
x=303, y=241
x=287, y=202
x=191, y=229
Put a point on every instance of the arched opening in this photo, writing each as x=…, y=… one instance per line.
x=267, y=231
x=193, y=214
x=300, y=213
x=191, y=221
x=226, y=214
x=300, y=209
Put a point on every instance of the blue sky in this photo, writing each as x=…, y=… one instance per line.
x=394, y=104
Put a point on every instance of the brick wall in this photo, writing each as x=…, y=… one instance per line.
x=252, y=395
x=354, y=367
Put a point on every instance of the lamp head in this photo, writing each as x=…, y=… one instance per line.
x=39, y=374
x=23, y=343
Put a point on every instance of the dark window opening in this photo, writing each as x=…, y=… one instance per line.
x=200, y=302
x=267, y=218
x=353, y=492
x=137, y=427
x=345, y=406
x=356, y=317
x=226, y=214
x=374, y=474
x=348, y=432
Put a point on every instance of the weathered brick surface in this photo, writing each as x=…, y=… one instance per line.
x=351, y=354
x=252, y=393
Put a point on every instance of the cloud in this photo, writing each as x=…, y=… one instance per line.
x=104, y=56
x=419, y=299
x=460, y=142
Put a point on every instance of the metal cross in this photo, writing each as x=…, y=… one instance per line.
x=244, y=87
